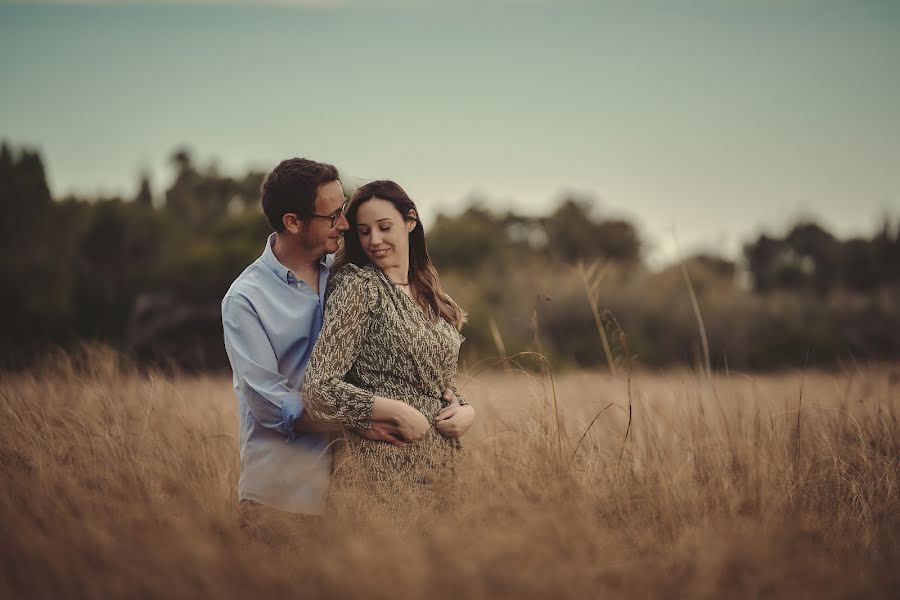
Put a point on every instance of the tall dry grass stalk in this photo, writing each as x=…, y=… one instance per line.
x=695, y=307
x=592, y=279
x=121, y=483
x=498, y=343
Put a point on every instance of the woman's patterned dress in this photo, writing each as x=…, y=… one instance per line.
x=376, y=341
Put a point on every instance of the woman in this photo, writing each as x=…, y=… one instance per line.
x=389, y=346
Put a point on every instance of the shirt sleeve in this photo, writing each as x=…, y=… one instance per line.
x=328, y=395
x=270, y=399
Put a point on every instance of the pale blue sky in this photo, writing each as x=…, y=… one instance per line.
x=715, y=117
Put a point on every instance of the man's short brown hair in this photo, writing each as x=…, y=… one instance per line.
x=292, y=187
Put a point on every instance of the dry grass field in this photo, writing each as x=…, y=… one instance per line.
x=118, y=483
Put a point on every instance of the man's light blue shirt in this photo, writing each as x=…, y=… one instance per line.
x=271, y=322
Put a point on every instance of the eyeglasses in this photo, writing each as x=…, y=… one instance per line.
x=333, y=217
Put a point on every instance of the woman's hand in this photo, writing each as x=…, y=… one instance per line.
x=454, y=420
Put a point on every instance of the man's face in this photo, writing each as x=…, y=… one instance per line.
x=318, y=234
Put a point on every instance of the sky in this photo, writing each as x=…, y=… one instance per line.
x=709, y=120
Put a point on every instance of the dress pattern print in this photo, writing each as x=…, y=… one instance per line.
x=376, y=341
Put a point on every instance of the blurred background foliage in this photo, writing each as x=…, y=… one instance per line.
x=146, y=274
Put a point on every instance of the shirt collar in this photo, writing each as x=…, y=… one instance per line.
x=285, y=274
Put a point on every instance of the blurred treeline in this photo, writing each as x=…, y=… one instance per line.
x=147, y=273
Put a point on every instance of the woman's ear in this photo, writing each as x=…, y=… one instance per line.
x=411, y=219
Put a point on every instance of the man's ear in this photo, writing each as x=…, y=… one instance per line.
x=291, y=223
x=411, y=219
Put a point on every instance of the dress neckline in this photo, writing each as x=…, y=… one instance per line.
x=398, y=289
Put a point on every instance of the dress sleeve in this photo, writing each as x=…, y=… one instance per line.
x=462, y=401
x=328, y=397
x=455, y=374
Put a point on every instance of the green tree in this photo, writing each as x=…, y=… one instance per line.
x=33, y=256
x=573, y=234
x=144, y=195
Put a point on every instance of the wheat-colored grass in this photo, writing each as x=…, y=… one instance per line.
x=120, y=483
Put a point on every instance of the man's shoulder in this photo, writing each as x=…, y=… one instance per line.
x=249, y=283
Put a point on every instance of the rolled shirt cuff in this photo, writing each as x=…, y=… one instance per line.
x=289, y=416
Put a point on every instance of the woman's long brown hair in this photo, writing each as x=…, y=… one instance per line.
x=423, y=277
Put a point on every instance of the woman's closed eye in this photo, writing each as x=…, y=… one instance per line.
x=366, y=230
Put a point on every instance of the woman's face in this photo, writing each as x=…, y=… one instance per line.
x=384, y=234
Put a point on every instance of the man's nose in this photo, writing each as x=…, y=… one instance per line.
x=342, y=223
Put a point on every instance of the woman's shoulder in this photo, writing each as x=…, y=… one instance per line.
x=354, y=274
x=352, y=278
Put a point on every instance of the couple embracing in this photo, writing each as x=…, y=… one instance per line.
x=355, y=341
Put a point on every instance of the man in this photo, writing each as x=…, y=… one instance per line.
x=272, y=315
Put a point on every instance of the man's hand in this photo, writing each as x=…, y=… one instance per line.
x=306, y=424
x=411, y=424
x=379, y=431
x=454, y=420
